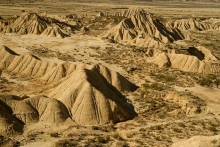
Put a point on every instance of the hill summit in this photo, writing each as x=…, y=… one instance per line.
x=142, y=30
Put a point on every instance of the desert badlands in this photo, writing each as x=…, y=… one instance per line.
x=109, y=73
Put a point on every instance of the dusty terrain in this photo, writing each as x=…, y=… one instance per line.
x=109, y=73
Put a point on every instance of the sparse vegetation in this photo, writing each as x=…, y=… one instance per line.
x=66, y=143
x=166, y=101
x=155, y=86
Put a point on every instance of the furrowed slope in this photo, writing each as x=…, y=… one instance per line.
x=32, y=23
x=142, y=30
x=201, y=60
x=89, y=93
x=37, y=109
x=91, y=99
x=190, y=24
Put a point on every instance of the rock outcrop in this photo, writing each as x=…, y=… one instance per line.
x=32, y=23
x=190, y=24
x=142, y=30
x=89, y=94
x=201, y=60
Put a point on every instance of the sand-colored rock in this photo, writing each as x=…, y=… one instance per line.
x=91, y=93
x=215, y=22
x=132, y=11
x=32, y=66
x=32, y=23
x=208, y=56
x=188, y=105
x=6, y=56
x=142, y=30
x=190, y=24
x=29, y=65
x=53, y=31
x=37, y=109
x=216, y=25
x=94, y=97
x=199, y=141
x=208, y=63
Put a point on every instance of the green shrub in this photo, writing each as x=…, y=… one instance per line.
x=177, y=130
x=213, y=129
x=95, y=128
x=103, y=140
x=182, y=125
x=142, y=129
x=66, y=143
x=205, y=82
x=165, y=78
x=55, y=135
x=157, y=86
x=116, y=136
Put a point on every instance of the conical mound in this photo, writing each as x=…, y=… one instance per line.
x=139, y=27
x=133, y=11
x=38, y=109
x=190, y=24
x=90, y=93
x=54, y=31
x=32, y=23
x=91, y=99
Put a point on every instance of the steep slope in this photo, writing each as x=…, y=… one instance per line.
x=202, y=53
x=29, y=23
x=113, y=78
x=9, y=123
x=190, y=24
x=37, y=109
x=215, y=22
x=53, y=31
x=216, y=25
x=141, y=29
x=32, y=23
x=6, y=56
x=31, y=66
x=90, y=93
x=132, y=11
x=92, y=100
x=190, y=63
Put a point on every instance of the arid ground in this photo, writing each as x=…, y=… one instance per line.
x=109, y=73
